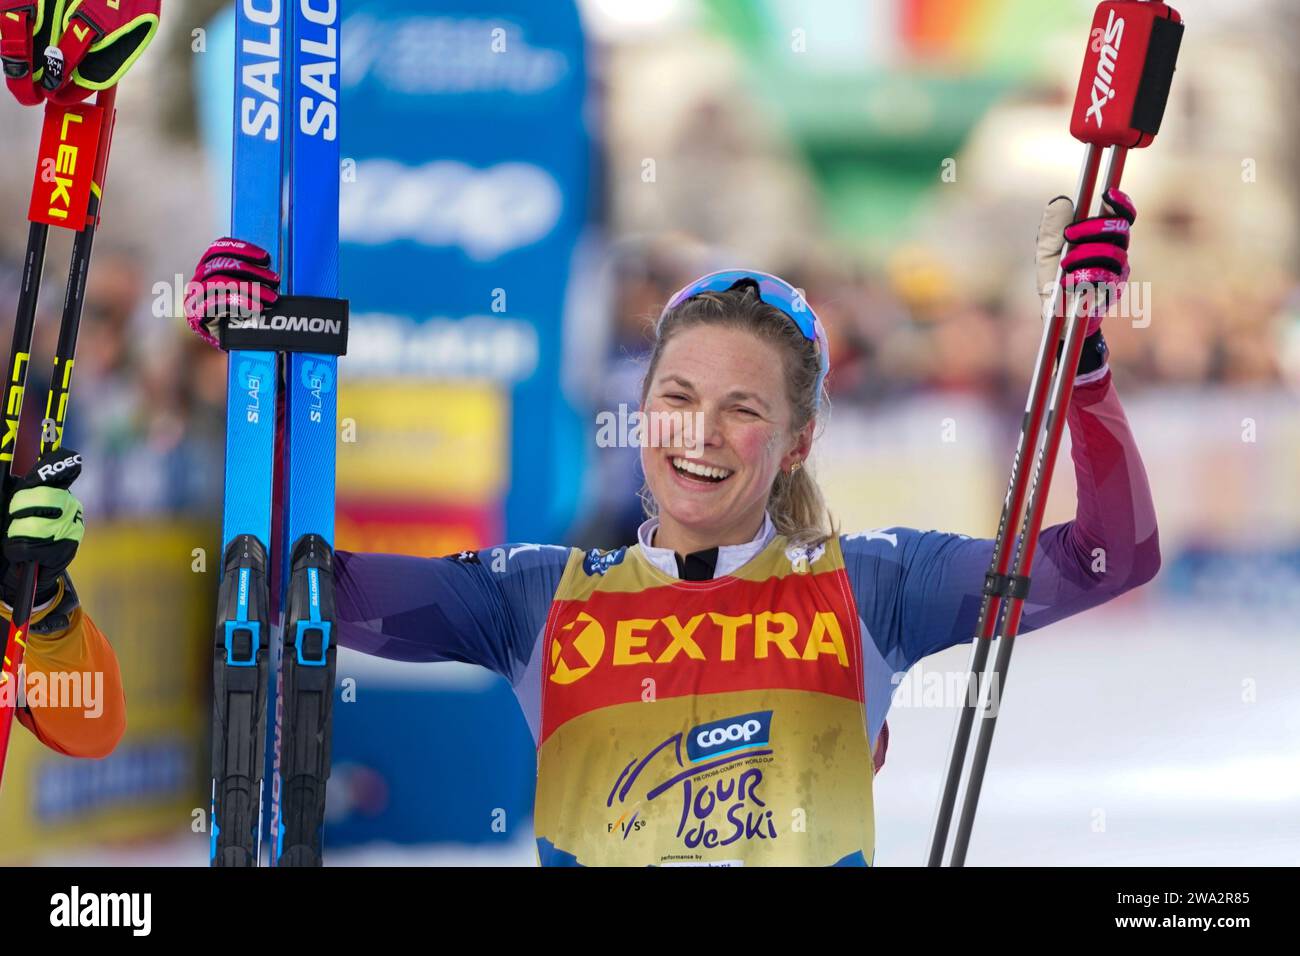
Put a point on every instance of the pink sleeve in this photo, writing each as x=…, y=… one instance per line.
x=1112, y=544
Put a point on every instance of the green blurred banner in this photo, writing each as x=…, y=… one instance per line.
x=878, y=95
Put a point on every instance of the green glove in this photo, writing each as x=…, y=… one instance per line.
x=45, y=524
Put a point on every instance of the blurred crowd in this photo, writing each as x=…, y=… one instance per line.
x=148, y=404
x=148, y=400
x=899, y=331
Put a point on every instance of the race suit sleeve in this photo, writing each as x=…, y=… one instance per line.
x=74, y=702
x=480, y=607
x=919, y=592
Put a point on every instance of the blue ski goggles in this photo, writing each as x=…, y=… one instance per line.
x=775, y=292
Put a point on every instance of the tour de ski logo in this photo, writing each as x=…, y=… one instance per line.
x=712, y=777
x=598, y=562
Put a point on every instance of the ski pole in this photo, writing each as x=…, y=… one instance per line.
x=1124, y=87
x=56, y=402
x=1062, y=389
x=1026, y=445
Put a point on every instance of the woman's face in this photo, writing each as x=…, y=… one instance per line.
x=717, y=404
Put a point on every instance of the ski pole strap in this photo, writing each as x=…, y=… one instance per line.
x=1006, y=585
x=100, y=40
x=295, y=323
x=1093, y=356
x=19, y=21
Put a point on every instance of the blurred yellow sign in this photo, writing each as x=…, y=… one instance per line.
x=423, y=441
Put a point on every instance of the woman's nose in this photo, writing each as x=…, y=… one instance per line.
x=706, y=429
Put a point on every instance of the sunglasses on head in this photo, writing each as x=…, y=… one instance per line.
x=775, y=292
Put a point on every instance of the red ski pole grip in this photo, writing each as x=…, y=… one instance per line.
x=1127, y=72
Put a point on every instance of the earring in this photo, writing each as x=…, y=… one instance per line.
x=795, y=467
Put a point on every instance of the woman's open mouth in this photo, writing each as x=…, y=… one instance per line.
x=699, y=473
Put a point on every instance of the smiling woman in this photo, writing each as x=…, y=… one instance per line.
x=716, y=693
x=714, y=358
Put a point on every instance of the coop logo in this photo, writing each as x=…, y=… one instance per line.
x=1106, y=44
x=484, y=212
x=729, y=735
x=578, y=647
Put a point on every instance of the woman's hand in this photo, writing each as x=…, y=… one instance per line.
x=232, y=278
x=45, y=524
x=1096, y=264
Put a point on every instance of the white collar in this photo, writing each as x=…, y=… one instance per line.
x=730, y=556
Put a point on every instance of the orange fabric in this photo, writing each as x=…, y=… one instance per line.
x=92, y=718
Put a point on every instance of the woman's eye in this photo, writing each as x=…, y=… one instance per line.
x=747, y=411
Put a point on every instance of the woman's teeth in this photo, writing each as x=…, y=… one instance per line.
x=700, y=471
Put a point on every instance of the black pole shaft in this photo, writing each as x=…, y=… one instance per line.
x=56, y=400
x=20, y=353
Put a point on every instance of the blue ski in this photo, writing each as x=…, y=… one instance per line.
x=243, y=646
x=307, y=659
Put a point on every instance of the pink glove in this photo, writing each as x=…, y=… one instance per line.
x=1096, y=263
x=232, y=278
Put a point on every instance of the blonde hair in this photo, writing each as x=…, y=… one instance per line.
x=795, y=501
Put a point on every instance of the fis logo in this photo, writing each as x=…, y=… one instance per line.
x=1106, y=44
x=597, y=562
x=729, y=735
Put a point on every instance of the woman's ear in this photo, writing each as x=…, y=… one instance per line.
x=803, y=440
